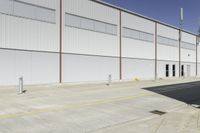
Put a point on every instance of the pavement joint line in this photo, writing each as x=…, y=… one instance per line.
x=160, y=124
x=134, y=121
x=198, y=120
x=75, y=106
x=178, y=107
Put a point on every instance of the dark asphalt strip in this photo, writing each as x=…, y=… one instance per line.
x=187, y=92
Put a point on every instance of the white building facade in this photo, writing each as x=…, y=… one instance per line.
x=62, y=41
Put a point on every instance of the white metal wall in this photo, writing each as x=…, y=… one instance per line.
x=198, y=60
x=137, y=55
x=162, y=69
x=46, y=3
x=186, y=37
x=133, y=48
x=188, y=55
x=29, y=45
x=87, y=8
x=28, y=34
x=167, y=52
x=35, y=67
x=198, y=69
x=137, y=23
x=138, y=68
x=27, y=31
x=81, y=68
x=192, y=71
x=86, y=50
x=89, y=42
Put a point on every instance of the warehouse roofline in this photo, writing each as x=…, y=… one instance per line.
x=142, y=16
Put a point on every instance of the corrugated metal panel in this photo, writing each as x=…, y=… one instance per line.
x=168, y=44
x=79, y=68
x=35, y=67
x=88, y=42
x=168, y=53
x=168, y=32
x=188, y=38
x=27, y=34
x=139, y=15
x=136, y=68
x=6, y=6
x=168, y=41
x=91, y=10
x=189, y=46
x=198, y=69
x=192, y=68
x=162, y=68
x=45, y=3
x=137, y=23
x=83, y=38
x=137, y=49
x=198, y=55
x=138, y=35
x=188, y=55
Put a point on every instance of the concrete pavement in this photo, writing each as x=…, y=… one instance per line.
x=121, y=107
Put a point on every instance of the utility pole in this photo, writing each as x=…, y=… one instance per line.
x=180, y=38
x=199, y=28
x=181, y=18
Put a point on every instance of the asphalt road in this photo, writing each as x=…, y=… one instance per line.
x=187, y=92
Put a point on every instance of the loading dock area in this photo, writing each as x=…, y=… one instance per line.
x=135, y=107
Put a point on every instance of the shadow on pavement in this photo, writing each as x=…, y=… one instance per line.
x=185, y=92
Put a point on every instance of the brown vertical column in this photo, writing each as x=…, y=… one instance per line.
x=156, y=50
x=179, y=53
x=120, y=45
x=197, y=56
x=60, y=53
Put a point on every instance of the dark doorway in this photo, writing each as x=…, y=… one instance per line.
x=173, y=70
x=182, y=70
x=167, y=70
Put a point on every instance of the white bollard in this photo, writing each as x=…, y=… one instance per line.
x=20, y=91
x=109, y=80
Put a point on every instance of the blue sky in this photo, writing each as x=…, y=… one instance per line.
x=165, y=10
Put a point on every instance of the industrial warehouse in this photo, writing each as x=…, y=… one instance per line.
x=70, y=41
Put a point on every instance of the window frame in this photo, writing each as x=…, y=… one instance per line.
x=168, y=41
x=138, y=35
x=34, y=15
x=94, y=21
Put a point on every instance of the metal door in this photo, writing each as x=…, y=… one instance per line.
x=188, y=70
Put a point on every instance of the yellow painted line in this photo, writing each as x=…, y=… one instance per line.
x=72, y=106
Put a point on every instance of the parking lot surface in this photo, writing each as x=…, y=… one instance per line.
x=135, y=107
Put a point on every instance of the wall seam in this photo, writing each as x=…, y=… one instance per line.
x=179, y=53
x=60, y=53
x=120, y=44
x=156, y=52
x=196, y=56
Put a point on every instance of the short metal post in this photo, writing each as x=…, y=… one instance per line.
x=109, y=80
x=20, y=91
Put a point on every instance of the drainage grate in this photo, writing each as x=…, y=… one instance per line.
x=157, y=112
